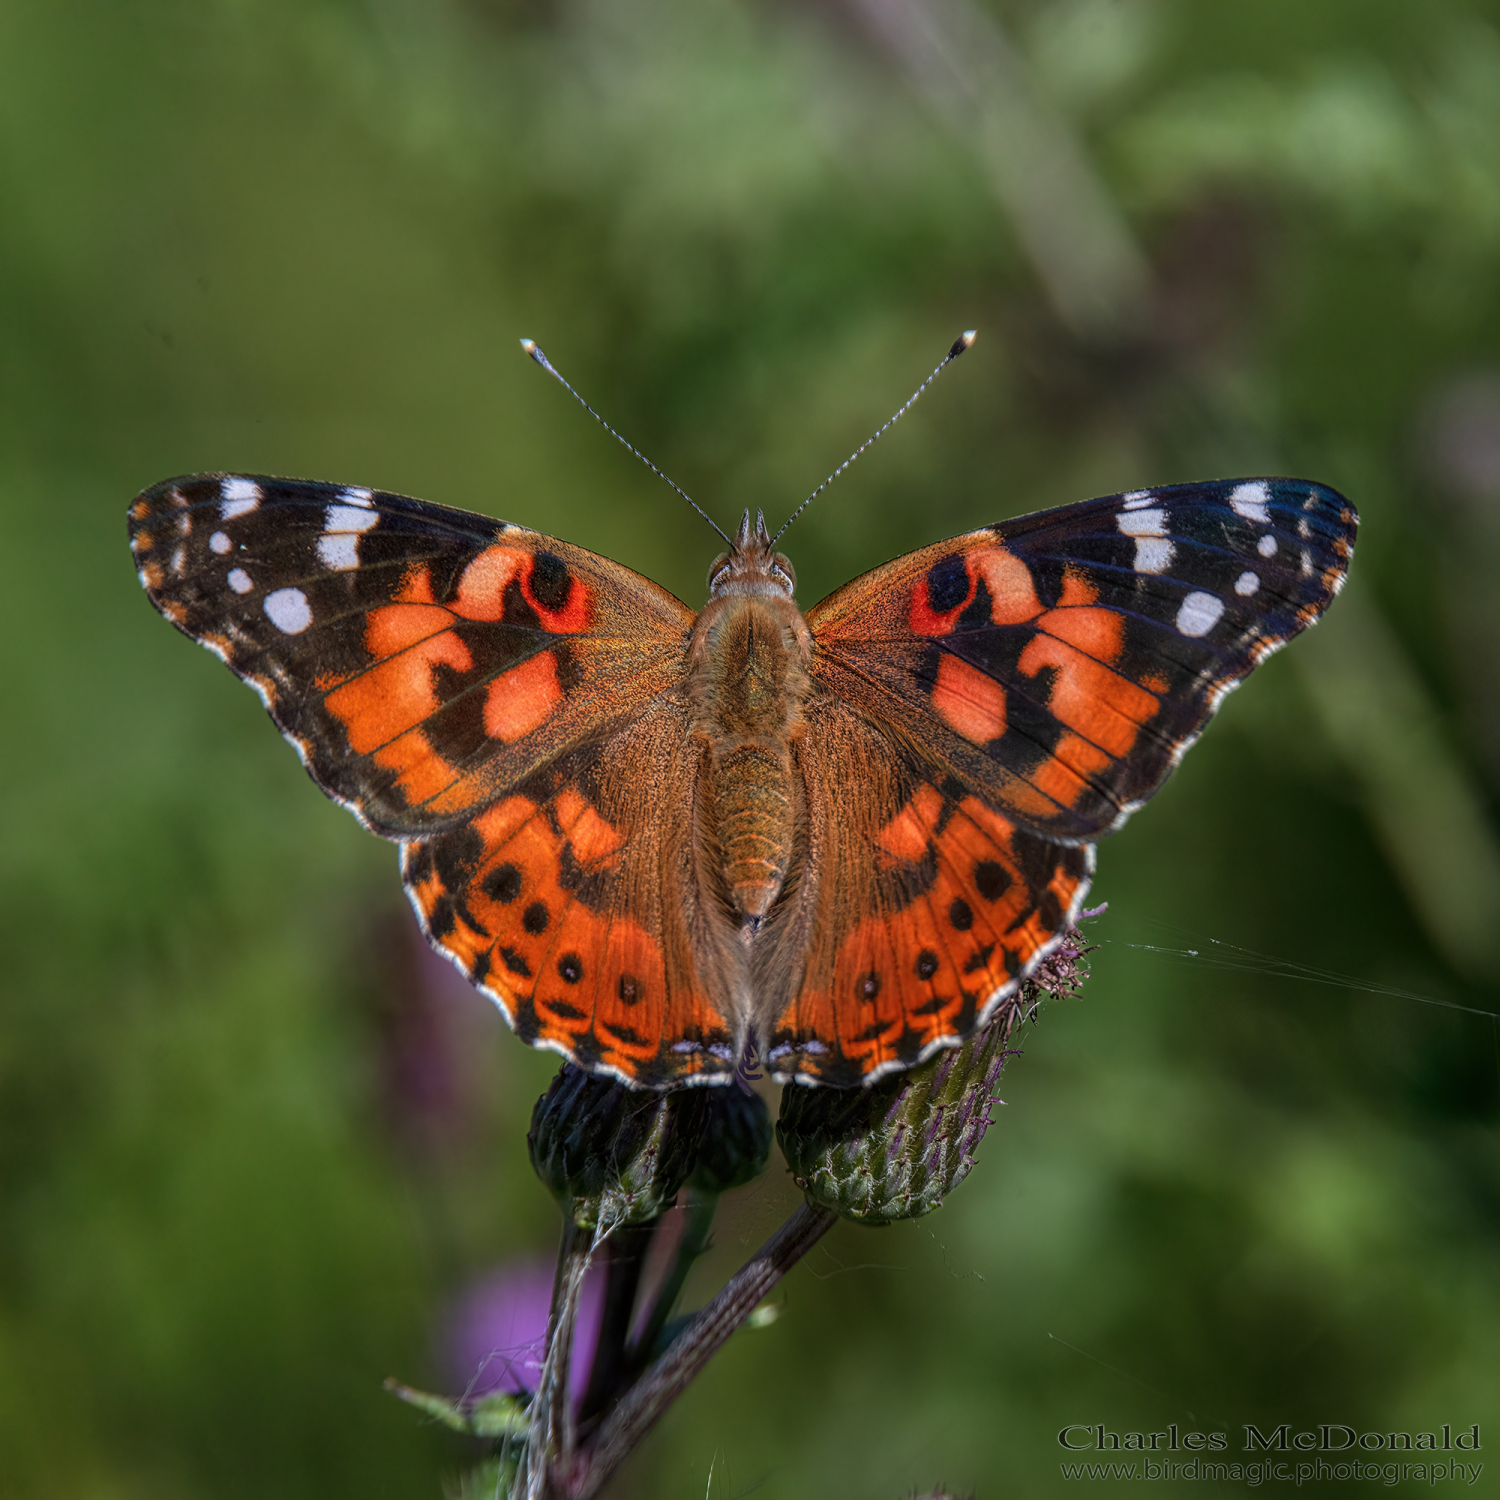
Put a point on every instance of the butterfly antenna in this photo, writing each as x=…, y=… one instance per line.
x=530, y=346
x=961, y=343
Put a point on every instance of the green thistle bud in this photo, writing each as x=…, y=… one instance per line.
x=612, y=1155
x=896, y=1150
x=736, y=1141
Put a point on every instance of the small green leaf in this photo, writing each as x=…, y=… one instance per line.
x=496, y=1415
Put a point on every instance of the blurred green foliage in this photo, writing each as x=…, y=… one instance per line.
x=302, y=237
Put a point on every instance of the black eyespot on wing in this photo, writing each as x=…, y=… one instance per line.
x=991, y=880
x=535, y=918
x=551, y=582
x=570, y=967
x=961, y=914
x=947, y=583
x=502, y=884
x=867, y=986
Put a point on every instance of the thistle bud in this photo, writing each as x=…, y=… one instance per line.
x=612, y=1155
x=736, y=1141
x=897, y=1149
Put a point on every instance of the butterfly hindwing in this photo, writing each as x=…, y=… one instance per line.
x=922, y=910
x=575, y=901
x=1060, y=664
x=421, y=659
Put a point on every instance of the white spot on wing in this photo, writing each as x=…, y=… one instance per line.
x=1143, y=522
x=339, y=551
x=354, y=495
x=1153, y=554
x=1197, y=614
x=1307, y=566
x=219, y=542
x=1249, y=500
x=179, y=557
x=239, y=581
x=338, y=547
x=1246, y=584
x=239, y=497
x=1266, y=546
x=1136, y=498
x=288, y=611
x=349, y=518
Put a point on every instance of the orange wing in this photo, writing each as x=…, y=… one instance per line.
x=920, y=910
x=577, y=903
x=1061, y=663
x=422, y=660
x=985, y=708
x=506, y=706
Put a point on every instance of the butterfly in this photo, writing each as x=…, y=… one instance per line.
x=664, y=842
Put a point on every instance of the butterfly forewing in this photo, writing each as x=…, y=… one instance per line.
x=421, y=659
x=1061, y=663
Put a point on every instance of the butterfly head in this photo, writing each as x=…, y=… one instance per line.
x=752, y=565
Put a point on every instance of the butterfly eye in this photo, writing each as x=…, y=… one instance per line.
x=717, y=570
x=781, y=568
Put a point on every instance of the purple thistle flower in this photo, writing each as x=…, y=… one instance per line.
x=494, y=1334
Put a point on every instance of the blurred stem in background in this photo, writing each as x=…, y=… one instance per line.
x=962, y=65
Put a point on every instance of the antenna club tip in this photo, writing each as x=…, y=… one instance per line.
x=529, y=345
x=962, y=342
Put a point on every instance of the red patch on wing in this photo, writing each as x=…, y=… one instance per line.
x=924, y=619
x=481, y=591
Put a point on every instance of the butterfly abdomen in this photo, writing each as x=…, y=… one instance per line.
x=748, y=683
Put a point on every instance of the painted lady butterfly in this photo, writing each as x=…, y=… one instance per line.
x=659, y=839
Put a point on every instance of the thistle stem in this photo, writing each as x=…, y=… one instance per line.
x=626, y=1251
x=695, y=1233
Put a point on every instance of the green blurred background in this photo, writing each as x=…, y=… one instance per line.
x=252, y=1144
